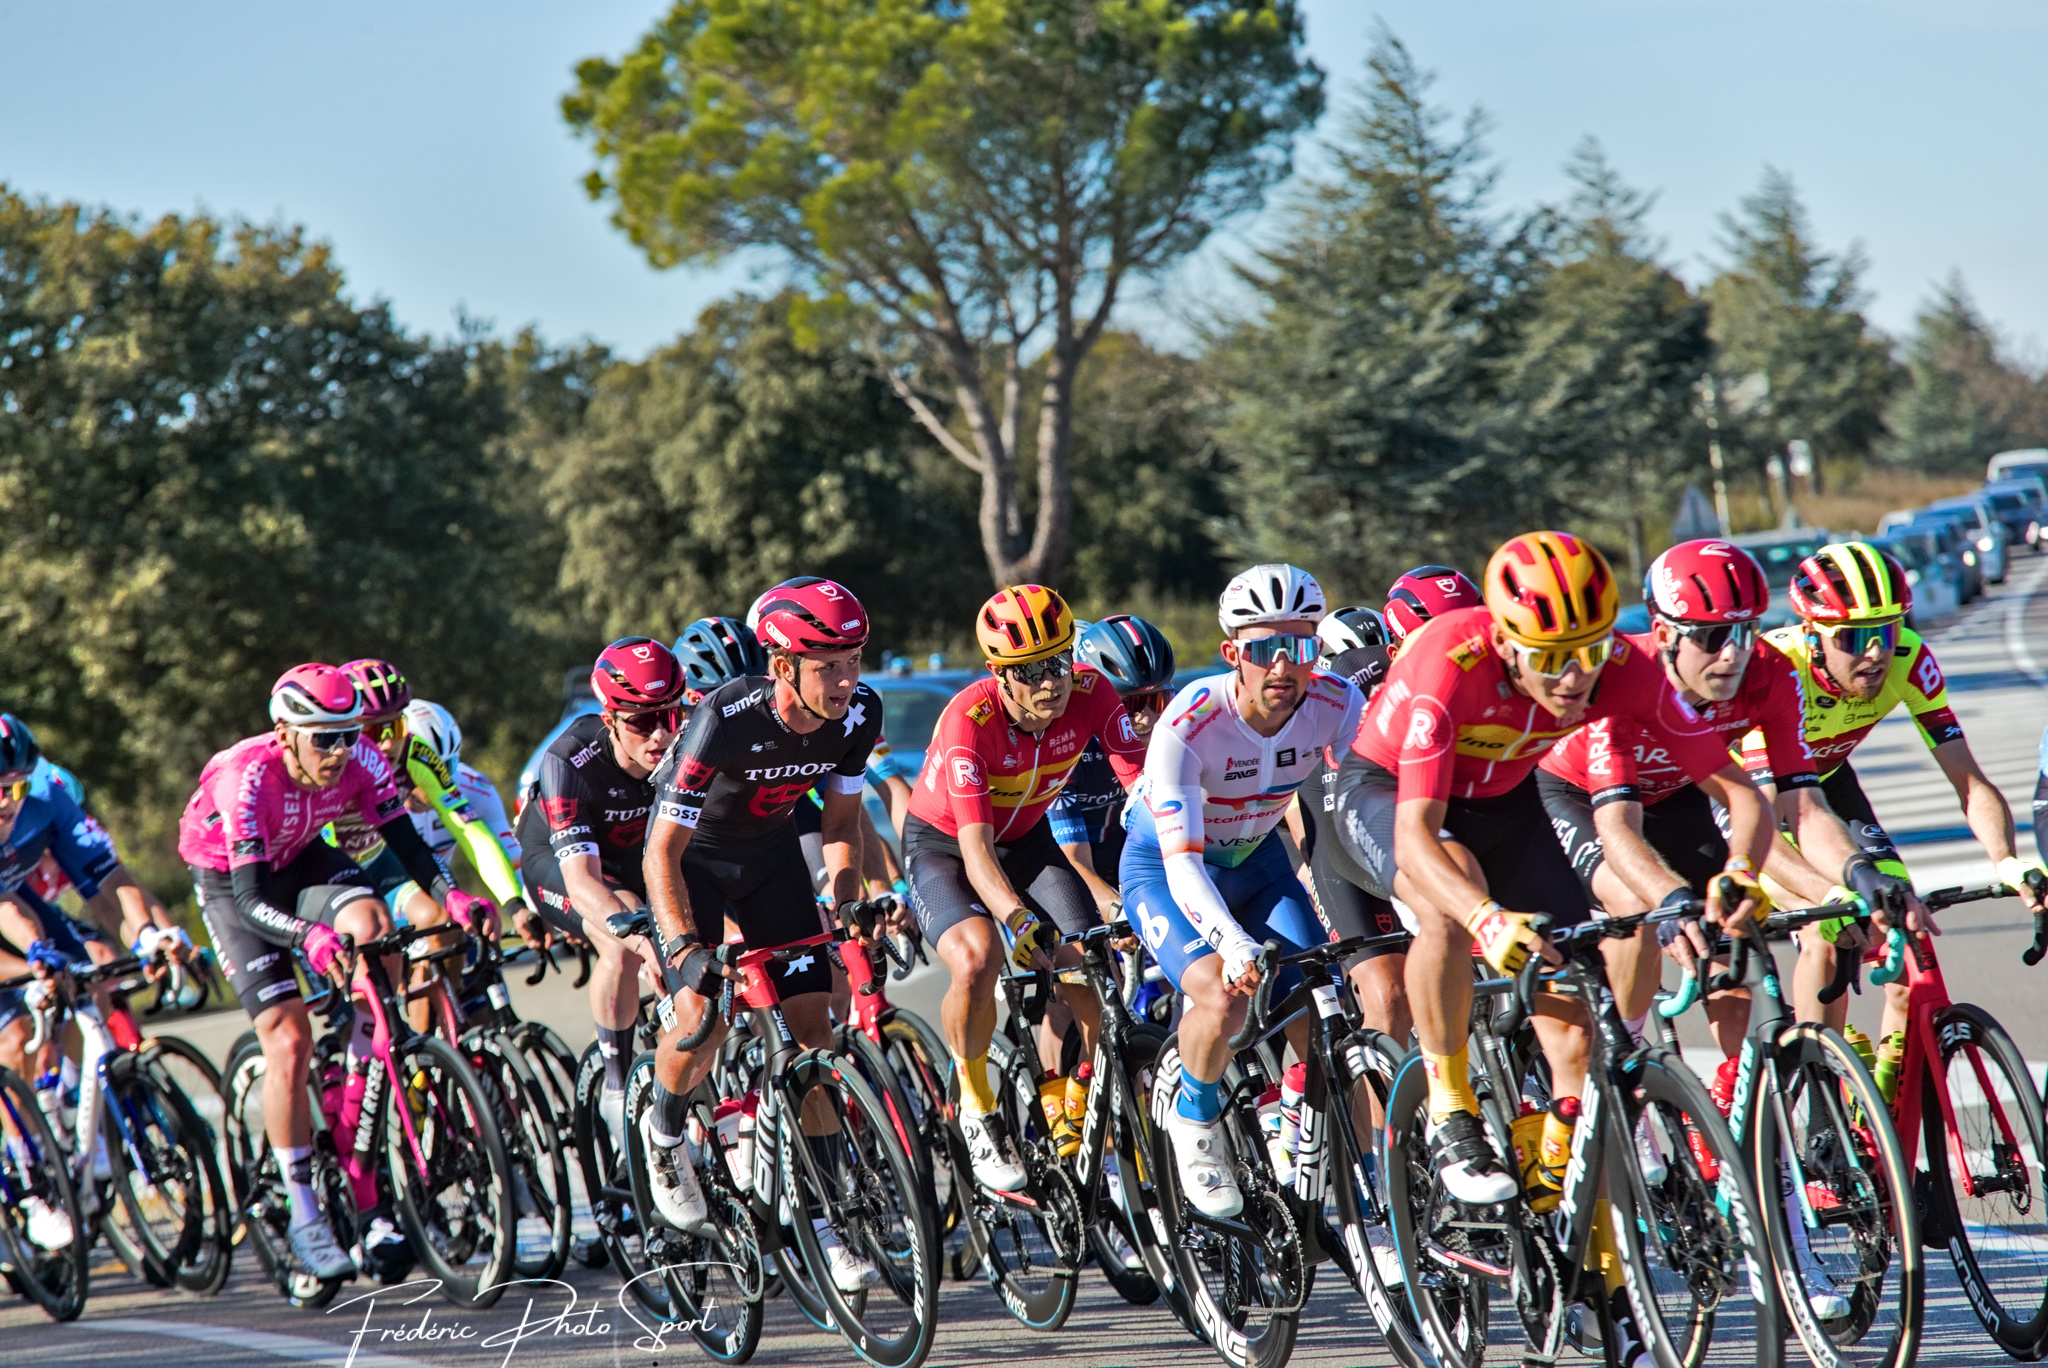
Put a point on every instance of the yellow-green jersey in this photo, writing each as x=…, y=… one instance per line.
x=1836, y=723
x=443, y=794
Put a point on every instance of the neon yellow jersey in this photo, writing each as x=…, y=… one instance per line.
x=426, y=773
x=1836, y=723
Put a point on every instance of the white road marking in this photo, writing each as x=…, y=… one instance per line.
x=293, y=1347
x=2015, y=628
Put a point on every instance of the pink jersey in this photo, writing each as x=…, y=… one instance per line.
x=248, y=808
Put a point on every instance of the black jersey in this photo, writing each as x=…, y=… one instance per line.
x=737, y=772
x=584, y=804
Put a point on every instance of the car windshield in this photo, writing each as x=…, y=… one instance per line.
x=1914, y=552
x=912, y=714
x=1780, y=559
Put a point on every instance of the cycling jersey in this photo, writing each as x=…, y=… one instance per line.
x=585, y=804
x=1450, y=724
x=489, y=812
x=437, y=784
x=981, y=769
x=1836, y=723
x=50, y=821
x=1640, y=759
x=1090, y=806
x=737, y=772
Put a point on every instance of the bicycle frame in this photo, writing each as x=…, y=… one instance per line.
x=101, y=1038
x=372, y=985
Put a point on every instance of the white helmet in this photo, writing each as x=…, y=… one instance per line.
x=1270, y=593
x=435, y=725
x=1351, y=629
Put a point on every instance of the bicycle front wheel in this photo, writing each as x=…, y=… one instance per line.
x=164, y=1173
x=33, y=1177
x=1837, y=1201
x=450, y=1171
x=1984, y=1178
x=185, y=1068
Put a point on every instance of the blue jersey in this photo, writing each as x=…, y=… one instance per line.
x=51, y=819
x=1091, y=802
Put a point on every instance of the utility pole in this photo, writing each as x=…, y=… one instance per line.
x=1711, y=392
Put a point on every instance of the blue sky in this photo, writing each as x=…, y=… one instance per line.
x=424, y=139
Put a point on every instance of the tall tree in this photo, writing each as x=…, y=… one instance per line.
x=958, y=185
x=737, y=457
x=1789, y=325
x=1968, y=399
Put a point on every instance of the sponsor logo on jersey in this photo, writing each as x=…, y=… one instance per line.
x=583, y=757
x=1927, y=674
x=1234, y=768
x=790, y=771
x=981, y=712
x=249, y=848
x=772, y=800
x=1469, y=652
x=1084, y=680
x=1284, y=759
x=560, y=812
x=964, y=772
x=694, y=774
x=747, y=702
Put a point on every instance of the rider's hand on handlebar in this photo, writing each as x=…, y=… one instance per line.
x=701, y=971
x=2013, y=872
x=862, y=918
x=1241, y=968
x=45, y=960
x=1736, y=901
x=330, y=953
x=1034, y=940
x=1684, y=939
x=1507, y=939
x=1885, y=889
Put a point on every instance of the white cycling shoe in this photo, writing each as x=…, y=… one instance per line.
x=850, y=1272
x=1201, y=1155
x=1466, y=1162
x=991, y=1152
x=48, y=1227
x=1385, y=1258
x=678, y=1197
x=314, y=1246
x=1821, y=1294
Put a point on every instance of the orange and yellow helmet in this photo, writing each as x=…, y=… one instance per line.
x=1554, y=595
x=1023, y=623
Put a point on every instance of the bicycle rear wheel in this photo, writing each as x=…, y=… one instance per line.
x=870, y=1194
x=32, y=1167
x=449, y=1169
x=1985, y=1188
x=164, y=1173
x=185, y=1068
x=1360, y=1209
x=1824, y=1144
x=1689, y=1238
x=262, y=1208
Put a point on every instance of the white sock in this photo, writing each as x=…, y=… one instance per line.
x=1635, y=1025
x=296, y=1163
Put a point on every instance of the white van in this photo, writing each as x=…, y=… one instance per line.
x=2009, y=463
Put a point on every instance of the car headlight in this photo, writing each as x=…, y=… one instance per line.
x=1984, y=543
x=1912, y=577
x=1969, y=557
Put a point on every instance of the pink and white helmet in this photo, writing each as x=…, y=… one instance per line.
x=315, y=695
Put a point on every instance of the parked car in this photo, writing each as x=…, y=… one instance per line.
x=2007, y=464
x=1957, y=541
x=2022, y=502
x=1987, y=531
x=1779, y=553
x=1934, y=577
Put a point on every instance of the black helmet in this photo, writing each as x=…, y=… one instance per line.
x=1133, y=653
x=716, y=649
x=18, y=749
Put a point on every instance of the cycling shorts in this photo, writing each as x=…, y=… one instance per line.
x=318, y=883
x=767, y=894
x=1510, y=835
x=1846, y=798
x=1034, y=864
x=1263, y=895
x=1337, y=889
x=393, y=884
x=548, y=895
x=1685, y=829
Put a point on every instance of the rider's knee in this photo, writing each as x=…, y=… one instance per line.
x=285, y=1034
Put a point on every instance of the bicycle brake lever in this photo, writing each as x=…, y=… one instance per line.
x=1848, y=974
x=583, y=974
x=1894, y=958
x=2037, y=882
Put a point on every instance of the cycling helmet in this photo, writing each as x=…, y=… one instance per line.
x=808, y=614
x=636, y=673
x=1023, y=623
x=435, y=725
x=383, y=688
x=1850, y=582
x=315, y=695
x=716, y=649
x=1270, y=593
x=18, y=749
x=1347, y=629
x=1706, y=581
x=1551, y=589
x=1425, y=592
x=1134, y=655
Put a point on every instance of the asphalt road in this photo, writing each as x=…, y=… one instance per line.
x=2001, y=694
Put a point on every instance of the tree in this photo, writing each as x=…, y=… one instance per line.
x=1791, y=314
x=958, y=185
x=1968, y=400
x=735, y=458
x=213, y=467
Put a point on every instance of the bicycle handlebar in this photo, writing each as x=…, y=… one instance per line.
x=1262, y=996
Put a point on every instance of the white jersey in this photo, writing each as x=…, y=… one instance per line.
x=1214, y=788
x=489, y=808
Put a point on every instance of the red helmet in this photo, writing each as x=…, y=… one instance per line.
x=1706, y=581
x=636, y=673
x=383, y=688
x=810, y=614
x=314, y=696
x=1425, y=592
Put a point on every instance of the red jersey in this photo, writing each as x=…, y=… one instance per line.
x=1648, y=760
x=1449, y=723
x=981, y=769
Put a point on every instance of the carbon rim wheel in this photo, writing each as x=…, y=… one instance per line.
x=449, y=1171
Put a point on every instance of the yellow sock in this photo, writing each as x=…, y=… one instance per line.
x=977, y=1094
x=1450, y=1085
x=1601, y=1247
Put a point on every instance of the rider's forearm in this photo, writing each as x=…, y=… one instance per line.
x=259, y=913
x=984, y=874
x=661, y=865
x=874, y=851
x=1825, y=844
x=486, y=856
x=1082, y=858
x=1984, y=807
x=842, y=827
x=1752, y=824
x=405, y=841
x=1634, y=862
x=1424, y=863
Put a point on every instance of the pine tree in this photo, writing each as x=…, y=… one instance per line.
x=1968, y=400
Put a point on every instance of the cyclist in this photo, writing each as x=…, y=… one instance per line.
x=724, y=845
x=433, y=729
x=582, y=837
x=1202, y=882
x=1437, y=805
x=977, y=847
x=1425, y=592
x=1857, y=661
x=1087, y=817
x=268, y=885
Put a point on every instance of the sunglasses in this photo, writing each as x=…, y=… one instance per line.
x=1860, y=638
x=651, y=721
x=1038, y=671
x=14, y=790
x=381, y=732
x=1714, y=637
x=1552, y=662
x=1263, y=651
x=1147, y=702
x=328, y=742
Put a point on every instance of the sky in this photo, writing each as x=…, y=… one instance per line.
x=425, y=141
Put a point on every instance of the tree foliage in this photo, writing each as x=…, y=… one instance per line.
x=957, y=185
x=1968, y=399
x=213, y=467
